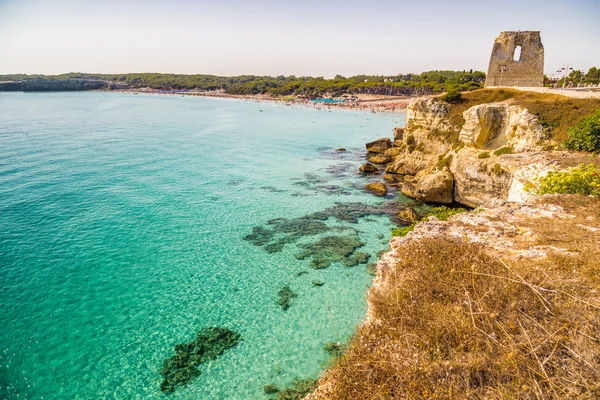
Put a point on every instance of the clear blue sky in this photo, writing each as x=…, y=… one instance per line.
x=307, y=37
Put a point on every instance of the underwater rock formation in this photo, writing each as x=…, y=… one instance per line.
x=330, y=249
x=286, y=294
x=182, y=368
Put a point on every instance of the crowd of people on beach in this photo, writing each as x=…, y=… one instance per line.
x=386, y=104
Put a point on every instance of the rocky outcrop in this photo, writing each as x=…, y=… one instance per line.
x=434, y=187
x=377, y=188
x=380, y=159
x=379, y=145
x=368, y=169
x=491, y=159
x=408, y=215
x=496, y=125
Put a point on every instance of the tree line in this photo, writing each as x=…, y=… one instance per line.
x=306, y=86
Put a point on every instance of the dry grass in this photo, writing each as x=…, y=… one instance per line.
x=456, y=321
x=556, y=112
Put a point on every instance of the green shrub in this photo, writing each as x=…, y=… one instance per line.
x=584, y=179
x=497, y=169
x=442, y=213
x=503, y=150
x=403, y=231
x=485, y=154
x=444, y=161
x=585, y=136
x=453, y=96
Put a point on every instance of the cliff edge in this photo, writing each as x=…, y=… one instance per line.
x=499, y=302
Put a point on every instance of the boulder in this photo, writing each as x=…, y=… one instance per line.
x=408, y=215
x=398, y=133
x=391, y=178
x=379, y=146
x=408, y=189
x=380, y=159
x=437, y=187
x=377, y=188
x=368, y=168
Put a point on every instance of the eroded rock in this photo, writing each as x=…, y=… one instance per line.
x=368, y=169
x=379, y=146
x=377, y=188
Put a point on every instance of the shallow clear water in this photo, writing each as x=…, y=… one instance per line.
x=122, y=220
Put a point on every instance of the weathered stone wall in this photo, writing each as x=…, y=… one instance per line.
x=527, y=70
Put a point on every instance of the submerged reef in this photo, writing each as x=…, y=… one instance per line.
x=281, y=231
x=286, y=294
x=330, y=249
x=296, y=390
x=182, y=368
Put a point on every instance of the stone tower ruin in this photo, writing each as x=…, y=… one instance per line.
x=517, y=60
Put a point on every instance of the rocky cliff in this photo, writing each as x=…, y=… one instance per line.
x=498, y=302
x=498, y=150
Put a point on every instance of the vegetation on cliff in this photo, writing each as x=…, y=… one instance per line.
x=585, y=136
x=452, y=319
x=401, y=84
x=584, y=179
x=555, y=113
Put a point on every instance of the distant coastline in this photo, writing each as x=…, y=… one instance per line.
x=369, y=103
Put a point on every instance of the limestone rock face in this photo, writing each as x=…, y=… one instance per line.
x=380, y=159
x=408, y=215
x=379, y=145
x=492, y=126
x=398, y=133
x=479, y=181
x=426, y=113
x=377, y=188
x=435, y=169
x=393, y=152
x=436, y=187
x=368, y=168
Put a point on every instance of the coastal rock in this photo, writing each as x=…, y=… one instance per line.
x=409, y=164
x=393, y=152
x=368, y=168
x=377, y=188
x=408, y=215
x=437, y=187
x=380, y=159
x=379, y=146
x=391, y=178
x=398, y=133
x=496, y=125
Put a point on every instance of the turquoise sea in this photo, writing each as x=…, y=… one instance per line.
x=124, y=231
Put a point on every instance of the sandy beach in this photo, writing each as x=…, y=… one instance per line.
x=364, y=102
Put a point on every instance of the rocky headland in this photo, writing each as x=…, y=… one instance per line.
x=498, y=302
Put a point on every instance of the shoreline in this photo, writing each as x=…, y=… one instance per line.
x=367, y=103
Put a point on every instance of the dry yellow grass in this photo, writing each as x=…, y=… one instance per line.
x=452, y=320
x=554, y=111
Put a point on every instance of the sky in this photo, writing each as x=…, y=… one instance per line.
x=301, y=37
